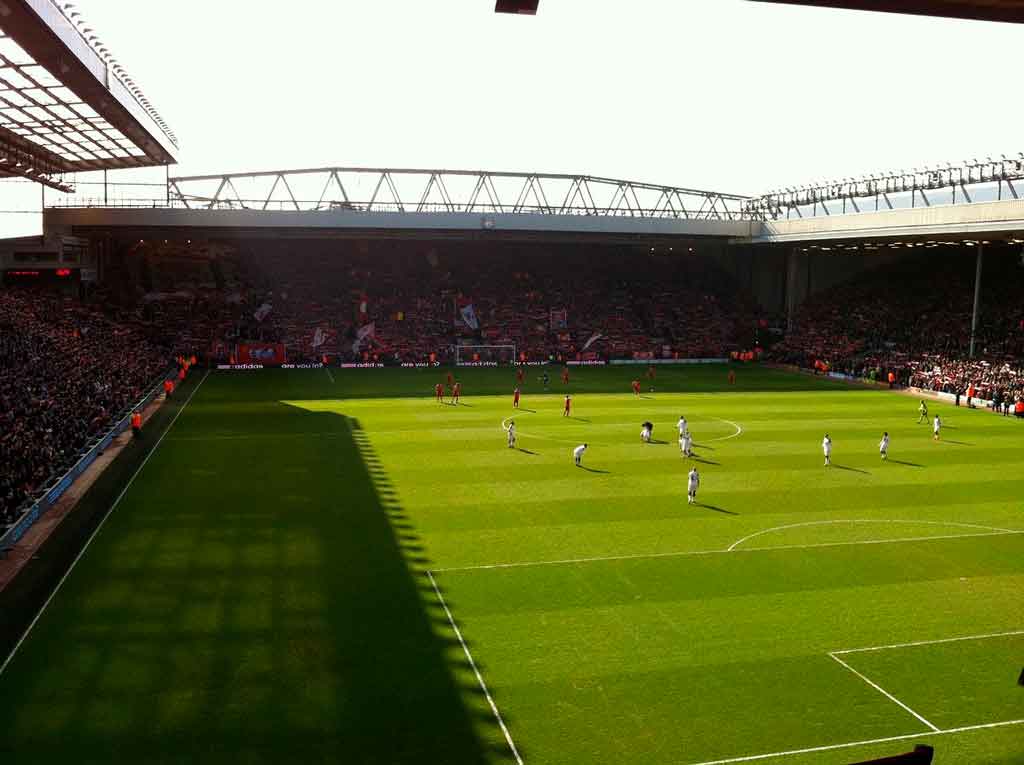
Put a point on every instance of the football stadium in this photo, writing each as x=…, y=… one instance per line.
x=368, y=464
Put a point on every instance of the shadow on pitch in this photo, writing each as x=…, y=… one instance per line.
x=592, y=470
x=704, y=461
x=578, y=419
x=837, y=466
x=525, y=451
x=524, y=409
x=958, y=443
x=904, y=462
x=716, y=509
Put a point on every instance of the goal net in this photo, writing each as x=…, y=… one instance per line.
x=484, y=355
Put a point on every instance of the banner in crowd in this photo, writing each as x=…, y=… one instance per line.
x=593, y=339
x=559, y=318
x=319, y=337
x=364, y=332
x=469, y=316
x=263, y=311
x=271, y=354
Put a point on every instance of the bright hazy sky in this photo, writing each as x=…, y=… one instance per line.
x=721, y=94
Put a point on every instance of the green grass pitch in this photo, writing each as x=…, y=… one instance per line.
x=282, y=581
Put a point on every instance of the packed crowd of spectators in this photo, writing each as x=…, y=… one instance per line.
x=547, y=304
x=67, y=371
x=912, y=317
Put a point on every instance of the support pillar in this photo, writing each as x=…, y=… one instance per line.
x=977, y=295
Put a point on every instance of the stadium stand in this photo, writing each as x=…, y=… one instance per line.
x=546, y=303
x=912, y=317
x=66, y=372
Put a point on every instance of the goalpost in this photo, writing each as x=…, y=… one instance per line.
x=485, y=355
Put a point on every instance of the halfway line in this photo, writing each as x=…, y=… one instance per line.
x=680, y=554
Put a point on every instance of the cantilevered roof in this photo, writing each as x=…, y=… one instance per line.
x=66, y=105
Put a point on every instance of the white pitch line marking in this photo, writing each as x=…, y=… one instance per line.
x=739, y=430
x=928, y=642
x=683, y=553
x=884, y=692
x=100, y=525
x=476, y=671
x=738, y=542
x=851, y=744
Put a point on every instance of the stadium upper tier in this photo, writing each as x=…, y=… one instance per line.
x=66, y=105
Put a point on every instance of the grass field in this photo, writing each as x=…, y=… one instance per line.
x=338, y=569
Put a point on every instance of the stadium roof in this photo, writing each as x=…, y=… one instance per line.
x=66, y=105
x=982, y=10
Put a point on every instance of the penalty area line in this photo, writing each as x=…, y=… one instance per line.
x=476, y=670
x=868, y=742
x=884, y=692
x=916, y=643
x=99, y=526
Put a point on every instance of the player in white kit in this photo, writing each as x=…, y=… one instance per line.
x=936, y=427
x=883, y=445
x=686, y=444
x=692, y=484
x=826, y=447
x=683, y=428
x=577, y=453
x=511, y=434
x=646, y=430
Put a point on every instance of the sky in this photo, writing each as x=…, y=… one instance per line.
x=727, y=95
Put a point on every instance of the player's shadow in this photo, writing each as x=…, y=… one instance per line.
x=525, y=451
x=704, y=461
x=593, y=470
x=462, y=403
x=716, y=508
x=837, y=466
x=703, y=446
x=524, y=409
x=578, y=419
x=904, y=462
x=958, y=443
x=657, y=441
x=648, y=398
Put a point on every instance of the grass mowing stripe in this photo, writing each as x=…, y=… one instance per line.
x=476, y=671
x=884, y=692
x=96, y=531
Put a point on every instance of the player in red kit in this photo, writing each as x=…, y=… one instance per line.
x=450, y=379
x=568, y=405
x=439, y=393
x=456, y=392
x=565, y=375
x=519, y=375
x=636, y=387
x=515, y=398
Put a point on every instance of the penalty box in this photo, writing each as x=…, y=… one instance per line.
x=947, y=683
